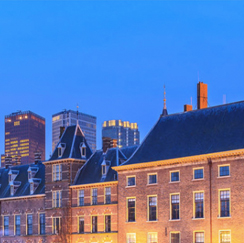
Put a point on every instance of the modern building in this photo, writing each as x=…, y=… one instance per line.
x=67, y=118
x=126, y=133
x=24, y=135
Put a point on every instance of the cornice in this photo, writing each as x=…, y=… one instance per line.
x=95, y=184
x=22, y=197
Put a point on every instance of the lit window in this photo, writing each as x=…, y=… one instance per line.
x=131, y=181
x=107, y=223
x=81, y=197
x=131, y=238
x=199, y=237
x=174, y=176
x=57, y=172
x=107, y=195
x=174, y=237
x=224, y=170
x=56, y=225
x=42, y=223
x=198, y=206
x=152, y=237
x=224, y=203
x=175, y=206
x=81, y=225
x=198, y=174
x=6, y=225
x=94, y=196
x=152, y=208
x=152, y=178
x=94, y=224
x=131, y=209
x=29, y=224
x=57, y=197
x=225, y=236
x=17, y=224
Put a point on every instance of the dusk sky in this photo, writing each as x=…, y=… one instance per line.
x=114, y=57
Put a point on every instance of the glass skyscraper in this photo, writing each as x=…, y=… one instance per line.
x=124, y=132
x=66, y=118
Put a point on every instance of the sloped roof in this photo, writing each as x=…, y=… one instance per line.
x=72, y=138
x=210, y=130
x=91, y=172
x=22, y=177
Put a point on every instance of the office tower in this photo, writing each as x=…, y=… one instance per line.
x=126, y=133
x=24, y=135
x=68, y=118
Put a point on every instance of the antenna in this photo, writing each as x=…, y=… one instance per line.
x=77, y=113
x=164, y=98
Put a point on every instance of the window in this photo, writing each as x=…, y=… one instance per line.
x=17, y=224
x=175, y=237
x=94, y=224
x=94, y=196
x=198, y=204
x=81, y=224
x=175, y=176
x=199, y=237
x=81, y=197
x=6, y=225
x=152, y=238
x=57, y=196
x=152, y=179
x=56, y=225
x=107, y=195
x=42, y=223
x=131, y=209
x=175, y=206
x=224, y=170
x=224, y=203
x=83, y=152
x=29, y=224
x=104, y=169
x=107, y=223
x=225, y=236
x=198, y=173
x=59, y=152
x=131, y=238
x=57, y=172
x=131, y=181
x=152, y=208
x=31, y=187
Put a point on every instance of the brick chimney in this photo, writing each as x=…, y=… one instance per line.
x=187, y=108
x=61, y=131
x=109, y=143
x=37, y=157
x=202, y=95
x=8, y=162
x=16, y=160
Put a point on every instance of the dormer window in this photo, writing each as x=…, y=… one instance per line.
x=61, y=148
x=104, y=169
x=83, y=150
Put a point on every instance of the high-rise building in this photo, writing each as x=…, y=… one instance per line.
x=24, y=135
x=68, y=118
x=126, y=133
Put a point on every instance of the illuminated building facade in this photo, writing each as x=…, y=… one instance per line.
x=68, y=118
x=126, y=133
x=24, y=135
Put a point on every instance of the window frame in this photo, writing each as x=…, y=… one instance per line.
x=56, y=172
x=15, y=228
x=59, y=225
x=54, y=199
x=78, y=197
x=148, y=208
x=198, y=231
x=219, y=204
x=223, y=176
x=198, y=168
x=194, y=205
x=174, y=171
x=5, y=231
x=127, y=209
x=174, y=232
x=107, y=195
x=40, y=224
x=171, y=212
x=127, y=238
x=95, y=224
x=110, y=224
x=93, y=197
x=224, y=231
x=148, y=178
x=79, y=229
x=151, y=233
x=131, y=176
x=27, y=225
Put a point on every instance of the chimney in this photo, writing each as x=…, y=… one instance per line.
x=187, y=108
x=109, y=143
x=37, y=157
x=16, y=160
x=8, y=162
x=61, y=131
x=202, y=95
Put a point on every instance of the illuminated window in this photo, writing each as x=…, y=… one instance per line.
x=152, y=237
x=57, y=172
x=94, y=224
x=94, y=196
x=56, y=225
x=29, y=224
x=107, y=195
x=198, y=204
x=131, y=209
x=42, y=223
x=81, y=224
x=175, y=206
x=131, y=238
x=152, y=179
x=224, y=170
x=224, y=236
x=224, y=203
x=81, y=197
x=57, y=197
x=6, y=225
x=17, y=224
x=199, y=237
x=174, y=237
x=174, y=176
x=107, y=223
x=152, y=208
x=198, y=173
x=131, y=181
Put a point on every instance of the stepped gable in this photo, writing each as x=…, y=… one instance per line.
x=71, y=139
x=209, y=130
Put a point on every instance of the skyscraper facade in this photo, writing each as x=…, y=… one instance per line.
x=68, y=118
x=126, y=133
x=24, y=135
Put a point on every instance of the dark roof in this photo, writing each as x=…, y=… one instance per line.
x=72, y=138
x=204, y=131
x=91, y=172
x=22, y=177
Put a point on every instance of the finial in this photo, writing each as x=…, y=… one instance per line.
x=77, y=113
x=164, y=98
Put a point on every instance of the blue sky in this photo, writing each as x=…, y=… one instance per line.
x=113, y=57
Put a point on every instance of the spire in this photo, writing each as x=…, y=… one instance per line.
x=77, y=114
x=165, y=112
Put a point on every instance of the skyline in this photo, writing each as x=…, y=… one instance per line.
x=114, y=57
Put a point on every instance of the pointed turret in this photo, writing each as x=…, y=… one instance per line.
x=165, y=112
